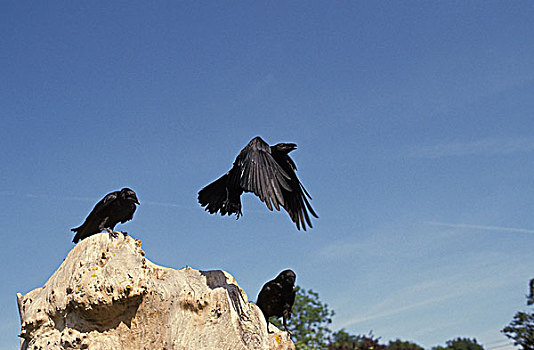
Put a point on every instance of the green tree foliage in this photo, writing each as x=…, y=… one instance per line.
x=310, y=330
x=309, y=321
x=460, y=344
x=403, y=345
x=341, y=340
x=521, y=329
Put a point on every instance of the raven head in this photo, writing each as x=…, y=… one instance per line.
x=129, y=195
x=285, y=147
x=287, y=277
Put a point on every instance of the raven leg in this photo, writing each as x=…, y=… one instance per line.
x=268, y=331
x=238, y=214
x=285, y=325
x=112, y=234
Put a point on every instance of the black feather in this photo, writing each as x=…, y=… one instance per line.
x=269, y=173
x=277, y=297
x=115, y=207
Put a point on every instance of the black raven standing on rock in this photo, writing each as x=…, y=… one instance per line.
x=277, y=296
x=115, y=207
x=269, y=173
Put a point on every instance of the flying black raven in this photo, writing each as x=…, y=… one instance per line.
x=277, y=296
x=269, y=173
x=115, y=207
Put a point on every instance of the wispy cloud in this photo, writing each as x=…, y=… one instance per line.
x=256, y=89
x=484, y=147
x=423, y=294
x=45, y=196
x=501, y=344
x=398, y=310
x=84, y=199
x=166, y=204
x=492, y=340
x=479, y=227
x=340, y=249
x=434, y=327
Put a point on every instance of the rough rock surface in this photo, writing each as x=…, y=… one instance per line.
x=107, y=295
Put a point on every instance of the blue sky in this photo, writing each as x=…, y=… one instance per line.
x=415, y=127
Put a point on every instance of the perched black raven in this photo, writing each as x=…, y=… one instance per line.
x=115, y=207
x=276, y=298
x=269, y=173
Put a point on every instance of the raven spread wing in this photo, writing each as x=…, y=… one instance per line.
x=296, y=198
x=258, y=172
x=269, y=173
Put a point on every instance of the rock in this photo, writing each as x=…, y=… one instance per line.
x=107, y=295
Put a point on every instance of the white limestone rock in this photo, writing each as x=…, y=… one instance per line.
x=107, y=295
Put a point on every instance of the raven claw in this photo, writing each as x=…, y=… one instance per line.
x=112, y=233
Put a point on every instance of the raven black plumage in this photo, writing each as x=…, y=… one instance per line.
x=115, y=207
x=277, y=296
x=269, y=173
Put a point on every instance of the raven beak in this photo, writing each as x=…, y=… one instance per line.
x=137, y=201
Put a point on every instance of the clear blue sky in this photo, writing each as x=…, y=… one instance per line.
x=415, y=127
